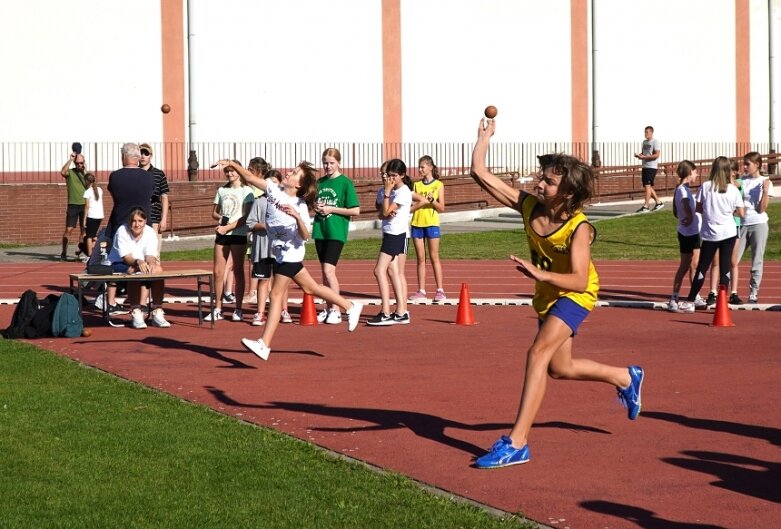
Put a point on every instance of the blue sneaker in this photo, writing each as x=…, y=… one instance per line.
x=503, y=454
x=630, y=396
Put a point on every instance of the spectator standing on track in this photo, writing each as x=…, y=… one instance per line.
x=757, y=190
x=74, y=181
x=650, y=157
x=395, y=199
x=93, y=212
x=715, y=273
x=425, y=227
x=718, y=200
x=287, y=221
x=689, y=222
x=232, y=204
x=159, y=213
x=566, y=287
x=259, y=167
x=336, y=203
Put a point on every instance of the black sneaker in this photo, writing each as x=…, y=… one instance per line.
x=117, y=309
x=734, y=299
x=401, y=318
x=711, y=301
x=658, y=206
x=381, y=319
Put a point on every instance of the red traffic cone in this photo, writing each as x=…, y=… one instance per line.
x=464, y=316
x=722, y=317
x=308, y=312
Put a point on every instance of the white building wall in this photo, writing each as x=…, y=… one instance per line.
x=306, y=70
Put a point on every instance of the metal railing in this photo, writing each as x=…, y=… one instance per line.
x=41, y=162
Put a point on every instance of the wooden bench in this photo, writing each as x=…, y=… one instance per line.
x=202, y=278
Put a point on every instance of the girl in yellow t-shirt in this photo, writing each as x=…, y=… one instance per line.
x=425, y=226
x=566, y=286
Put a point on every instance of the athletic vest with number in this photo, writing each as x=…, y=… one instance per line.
x=552, y=252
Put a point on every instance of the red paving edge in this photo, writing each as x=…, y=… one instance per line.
x=424, y=399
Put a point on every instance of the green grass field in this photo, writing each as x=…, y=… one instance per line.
x=83, y=449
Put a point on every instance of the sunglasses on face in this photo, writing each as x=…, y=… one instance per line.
x=146, y=153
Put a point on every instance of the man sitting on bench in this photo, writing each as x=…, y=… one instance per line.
x=134, y=251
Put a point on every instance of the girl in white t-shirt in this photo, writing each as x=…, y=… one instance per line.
x=757, y=190
x=718, y=200
x=93, y=212
x=395, y=203
x=287, y=226
x=689, y=221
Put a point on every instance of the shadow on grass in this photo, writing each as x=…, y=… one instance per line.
x=424, y=425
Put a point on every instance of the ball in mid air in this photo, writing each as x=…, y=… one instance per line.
x=166, y=108
x=490, y=112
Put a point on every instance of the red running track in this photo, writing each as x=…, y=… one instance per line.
x=425, y=399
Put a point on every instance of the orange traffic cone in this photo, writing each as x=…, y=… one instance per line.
x=722, y=317
x=464, y=316
x=308, y=312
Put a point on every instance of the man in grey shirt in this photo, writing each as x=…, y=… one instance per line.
x=650, y=158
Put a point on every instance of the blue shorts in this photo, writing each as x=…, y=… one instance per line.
x=429, y=232
x=569, y=312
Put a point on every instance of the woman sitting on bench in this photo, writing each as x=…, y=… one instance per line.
x=135, y=252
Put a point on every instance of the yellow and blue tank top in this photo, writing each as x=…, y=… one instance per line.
x=426, y=216
x=552, y=252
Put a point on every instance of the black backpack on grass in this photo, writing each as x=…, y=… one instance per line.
x=22, y=321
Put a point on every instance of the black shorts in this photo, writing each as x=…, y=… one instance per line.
x=74, y=214
x=93, y=225
x=263, y=268
x=329, y=250
x=648, y=176
x=287, y=269
x=688, y=243
x=394, y=245
x=230, y=240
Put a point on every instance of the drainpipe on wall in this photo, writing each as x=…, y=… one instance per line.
x=192, y=159
x=596, y=161
x=772, y=167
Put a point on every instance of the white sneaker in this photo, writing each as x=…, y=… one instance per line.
x=334, y=317
x=353, y=315
x=137, y=319
x=99, y=301
x=285, y=317
x=686, y=306
x=672, y=305
x=214, y=316
x=158, y=319
x=258, y=319
x=753, y=297
x=322, y=316
x=700, y=303
x=238, y=315
x=260, y=349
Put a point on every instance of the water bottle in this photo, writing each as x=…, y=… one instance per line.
x=104, y=253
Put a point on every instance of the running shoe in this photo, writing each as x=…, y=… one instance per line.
x=700, y=304
x=158, y=319
x=238, y=315
x=258, y=319
x=216, y=315
x=504, y=454
x=354, y=315
x=734, y=299
x=284, y=317
x=711, y=301
x=440, y=296
x=672, y=305
x=630, y=396
x=334, y=317
x=402, y=319
x=137, y=319
x=258, y=348
x=686, y=307
x=322, y=315
x=381, y=319
x=643, y=209
x=229, y=297
x=116, y=310
x=658, y=206
x=251, y=297
x=420, y=295
x=753, y=297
